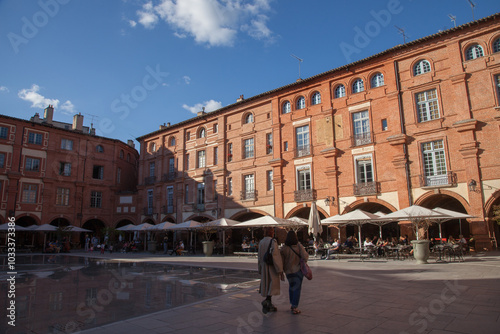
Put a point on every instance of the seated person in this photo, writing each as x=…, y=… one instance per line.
x=451, y=240
x=349, y=245
x=335, y=248
x=253, y=246
x=180, y=248
x=245, y=246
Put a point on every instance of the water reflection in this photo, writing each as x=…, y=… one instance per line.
x=65, y=294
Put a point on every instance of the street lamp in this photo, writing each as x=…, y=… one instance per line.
x=329, y=199
x=472, y=185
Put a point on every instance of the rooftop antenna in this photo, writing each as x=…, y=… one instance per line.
x=453, y=19
x=92, y=119
x=300, y=61
x=402, y=32
x=472, y=5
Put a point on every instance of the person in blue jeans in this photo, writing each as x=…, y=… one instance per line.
x=291, y=254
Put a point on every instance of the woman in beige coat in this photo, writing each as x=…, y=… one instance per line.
x=270, y=275
x=291, y=254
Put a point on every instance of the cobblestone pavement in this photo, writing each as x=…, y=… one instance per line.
x=345, y=296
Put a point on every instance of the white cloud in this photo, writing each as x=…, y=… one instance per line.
x=212, y=22
x=37, y=100
x=209, y=106
x=4, y=89
x=132, y=23
x=147, y=16
x=187, y=79
x=68, y=108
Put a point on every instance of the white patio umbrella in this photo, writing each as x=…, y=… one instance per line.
x=5, y=227
x=382, y=221
x=357, y=217
x=43, y=228
x=125, y=228
x=314, y=222
x=160, y=227
x=417, y=215
x=270, y=221
x=140, y=228
x=223, y=224
x=72, y=228
x=453, y=215
x=187, y=226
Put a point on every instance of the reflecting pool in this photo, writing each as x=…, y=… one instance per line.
x=66, y=294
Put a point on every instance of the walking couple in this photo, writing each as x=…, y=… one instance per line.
x=286, y=261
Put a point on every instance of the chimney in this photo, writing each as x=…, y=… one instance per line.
x=168, y=124
x=92, y=131
x=241, y=98
x=48, y=114
x=202, y=112
x=36, y=118
x=130, y=143
x=78, y=122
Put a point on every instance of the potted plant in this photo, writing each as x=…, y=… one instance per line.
x=421, y=250
x=208, y=245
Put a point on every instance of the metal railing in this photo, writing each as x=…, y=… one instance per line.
x=447, y=179
x=148, y=211
x=366, y=188
x=302, y=151
x=149, y=180
x=248, y=195
x=304, y=195
x=362, y=139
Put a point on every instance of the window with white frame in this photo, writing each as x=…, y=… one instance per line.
x=121, y=154
x=421, y=67
x=171, y=168
x=497, y=86
x=377, y=80
x=170, y=199
x=302, y=140
x=62, y=196
x=427, y=105
x=35, y=138
x=32, y=164
x=361, y=128
x=229, y=186
x=216, y=127
x=150, y=201
x=201, y=159
x=364, y=169
x=153, y=147
x=152, y=166
x=301, y=103
x=202, y=133
x=29, y=194
x=249, y=184
x=269, y=143
x=286, y=108
x=186, y=194
x=67, y=144
x=99, y=149
x=316, y=98
x=96, y=199
x=65, y=168
x=201, y=193
x=186, y=162
x=473, y=52
x=248, y=148
x=496, y=45
x=434, y=163
x=216, y=155
x=2, y=160
x=172, y=141
x=304, y=177
x=4, y=131
x=339, y=91
x=358, y=86
x=270, y=184
x=249, y=118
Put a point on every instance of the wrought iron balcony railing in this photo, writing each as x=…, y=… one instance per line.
x=302, y=151
x=248, y=195
x=148, y=211
x=366, y=188
x=149, y=180
x=447, y=179
x=167, y=209
x=362, y=139
x=199, y=207
x=304, y=195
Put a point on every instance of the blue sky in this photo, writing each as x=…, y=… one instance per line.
x=131, y=65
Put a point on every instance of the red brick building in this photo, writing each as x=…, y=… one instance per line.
x=57, y=173
x=415, y=124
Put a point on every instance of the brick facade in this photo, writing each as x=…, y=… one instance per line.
x=51, y=170
x=415, y=124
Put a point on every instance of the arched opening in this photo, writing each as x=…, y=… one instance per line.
x=454, y=227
